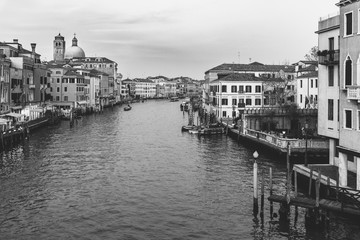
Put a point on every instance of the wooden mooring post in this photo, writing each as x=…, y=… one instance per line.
x=255, y=181
x=255, y=200
x=262, y=195
x=271, y=192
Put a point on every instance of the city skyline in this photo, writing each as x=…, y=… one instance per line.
x=170, y=38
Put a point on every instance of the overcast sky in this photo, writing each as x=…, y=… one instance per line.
x=169, y=37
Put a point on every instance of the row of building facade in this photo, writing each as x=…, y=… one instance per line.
x=73, y=79
x=160, y=87
x=230, y=88
x=331, y=85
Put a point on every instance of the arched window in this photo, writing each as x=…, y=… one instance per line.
x=348, y=71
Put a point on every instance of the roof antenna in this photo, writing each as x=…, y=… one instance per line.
x=249, y=59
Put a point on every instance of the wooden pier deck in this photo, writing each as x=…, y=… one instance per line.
x=310, y=203
x=294, y=201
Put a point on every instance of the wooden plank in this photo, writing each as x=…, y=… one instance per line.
x=294, y=201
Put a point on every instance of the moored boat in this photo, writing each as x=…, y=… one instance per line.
x=127, y=108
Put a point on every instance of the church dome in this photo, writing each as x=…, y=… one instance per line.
x=74, y=51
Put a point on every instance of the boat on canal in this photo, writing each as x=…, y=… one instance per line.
x=212, y=129
x=127, y=108
x=174, y=99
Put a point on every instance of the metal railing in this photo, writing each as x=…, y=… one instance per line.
x=329, y=57
x=345, y=196
x=283, y=142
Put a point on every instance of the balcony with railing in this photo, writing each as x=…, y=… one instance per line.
x=329, y=57
x=353, y=93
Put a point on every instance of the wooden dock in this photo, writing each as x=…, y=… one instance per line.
x=310, y=203
x=294, y=201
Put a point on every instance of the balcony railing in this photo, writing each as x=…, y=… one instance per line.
x=353, y=93
x=329, y=57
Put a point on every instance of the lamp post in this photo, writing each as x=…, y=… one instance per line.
x=255, y=176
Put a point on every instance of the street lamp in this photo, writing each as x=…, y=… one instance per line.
x=255, y=155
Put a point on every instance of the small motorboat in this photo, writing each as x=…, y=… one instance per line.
x=127, y=108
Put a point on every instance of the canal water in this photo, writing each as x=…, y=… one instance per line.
x=135, y=175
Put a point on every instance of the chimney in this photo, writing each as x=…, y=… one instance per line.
x=33, y=45
x=15, y=40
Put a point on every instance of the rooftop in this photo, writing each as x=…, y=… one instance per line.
x=252, y=67
x=238, y=77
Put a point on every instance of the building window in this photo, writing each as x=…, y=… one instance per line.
x=248, y=101
x=234, y=101
x=331, y=109
x=300, y=83
x=358, y=120
x=66, y=98
x=58, y=80
x=331, y=76
x=224, y=113
x=348, y=71
x=241, y=89
x=257, y=89
x=65, y=89
x=57, y=98
x=316, y=83
x=41, y=80
x=257, y=101
x=224, y=101
x=248, y=89
x=348, y=24
x=301, y=100
x=312, y=83
x=57, y=89
x=223, y=88
x=233, y=89
x=348, y=119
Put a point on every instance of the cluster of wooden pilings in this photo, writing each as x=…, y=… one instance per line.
x=317, y=202
x=12, y=137
x=315, y=216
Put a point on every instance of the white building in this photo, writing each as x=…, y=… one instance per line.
x=307, y=90
x=255, y=68
x=145, y=88
x=233, y=92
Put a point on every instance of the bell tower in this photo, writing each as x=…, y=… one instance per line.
x=59, y=48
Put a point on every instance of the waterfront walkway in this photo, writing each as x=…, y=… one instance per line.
x=317, y=148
